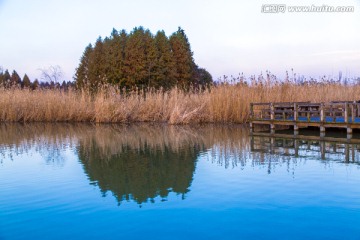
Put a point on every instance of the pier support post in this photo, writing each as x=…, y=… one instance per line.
x=272, y=128
x=251, y=126
x=296, y=129
x=349, y=133
x=322, y=131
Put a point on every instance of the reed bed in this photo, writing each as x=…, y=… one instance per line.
x=220, y=104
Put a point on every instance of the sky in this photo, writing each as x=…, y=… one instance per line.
x=227, y=37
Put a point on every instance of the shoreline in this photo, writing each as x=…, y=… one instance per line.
x=225, y=104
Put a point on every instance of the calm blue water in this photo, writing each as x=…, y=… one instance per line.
x=63, y=181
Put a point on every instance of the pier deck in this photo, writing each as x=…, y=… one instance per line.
x=336, y=114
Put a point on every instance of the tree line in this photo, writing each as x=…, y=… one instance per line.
x=8, y=80
x=140, y=59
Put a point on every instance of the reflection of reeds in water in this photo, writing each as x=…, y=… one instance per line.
x=111, y=138
x=225, y=145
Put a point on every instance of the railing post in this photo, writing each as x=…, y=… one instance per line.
x=346, y=120
x=322, y=115
x=353, y=112
x=272, y=117
x=296, y=128
x=251, y=118
x=346, y=114
x=308, y=113
x=322, y=120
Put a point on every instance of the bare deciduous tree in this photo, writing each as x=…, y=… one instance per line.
x=51, y=74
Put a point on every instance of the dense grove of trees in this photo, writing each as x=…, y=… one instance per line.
x=140, y=59
x=8, y=80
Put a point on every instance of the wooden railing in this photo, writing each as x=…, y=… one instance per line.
x=337, y=111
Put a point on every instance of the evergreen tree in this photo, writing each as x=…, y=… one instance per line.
x=26, y=83
x=122, y=41
x=115, y=55
x=183, y=56
x=64, y=85
x=135, y=68
x=165, y=68
x=96, y=71
x=15, y=79
x=151, y=54
x=1, y=77
x=82, y=72
x=6, y=78
x=35, y=85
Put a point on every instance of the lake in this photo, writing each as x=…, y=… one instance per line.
x=143, y=181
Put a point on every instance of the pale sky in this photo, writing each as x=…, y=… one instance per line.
x=227, y=37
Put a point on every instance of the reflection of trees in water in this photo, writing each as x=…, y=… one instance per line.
x=141, y=162
x=140, y=174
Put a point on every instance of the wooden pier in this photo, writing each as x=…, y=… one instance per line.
x=336, y=114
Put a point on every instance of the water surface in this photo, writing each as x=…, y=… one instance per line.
x=80, y=181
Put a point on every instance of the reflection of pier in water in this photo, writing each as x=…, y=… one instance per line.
x=307, y=146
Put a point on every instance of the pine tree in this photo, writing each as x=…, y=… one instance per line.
x=15, y=79
x=6, y=78
x=135, y=59
x=35, y=85
x=96, y=71
x=115, y=56
x=165, y=69
x=151, y=54
x=82, y=72
x=1, y=77
x=26, y=83
x=183, y=58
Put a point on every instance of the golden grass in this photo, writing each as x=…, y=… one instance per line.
x=225, y=103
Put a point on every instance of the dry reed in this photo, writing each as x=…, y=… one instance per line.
x=220, y=104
